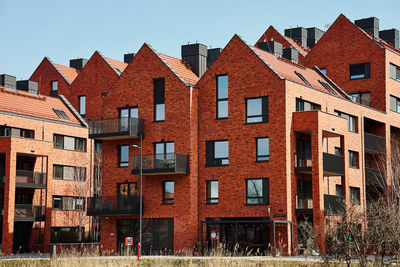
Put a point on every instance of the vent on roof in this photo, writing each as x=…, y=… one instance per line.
x=212, y=55
x=272, y=47
x=61, y=114
x=129, y=57
x=78, y=63
x=291, y=54
x=370, y=25
x=8, y=81
x=298, y=34
x=313, y=36
x=28, y=86
x=302, y=77
x=390, y=36
x=196, y=56
x=327, y=87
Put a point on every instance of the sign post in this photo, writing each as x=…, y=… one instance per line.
x=128, y=243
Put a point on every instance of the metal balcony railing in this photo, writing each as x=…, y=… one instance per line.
x=374, y=144
x=333, y=164
x=333, y=205
x=29, y=213
x=30, y=179
x=170, y=163
x=113, y=205
x=302, y=164
x=304, y=203
x=119, y=128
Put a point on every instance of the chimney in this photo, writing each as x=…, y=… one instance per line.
x=78, y=63
x=129, y=57
x=313, y=35
x=272, y=47
x=370, y=25
x=8, y=81
x=28, y=86
x=390, y=36
x=291, y=54
x=212, y=55
x=196, y=56
x=298, y=34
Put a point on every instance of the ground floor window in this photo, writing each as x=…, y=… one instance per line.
x=157, y=235
x=65, y=234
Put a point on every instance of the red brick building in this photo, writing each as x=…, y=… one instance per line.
x=263, y=140
x=44, y=168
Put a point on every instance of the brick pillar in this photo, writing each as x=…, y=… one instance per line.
x=9, y=202
x=48, y=205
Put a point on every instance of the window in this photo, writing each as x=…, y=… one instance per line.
x=159, y=100
x=217, y=153
x=212, y=192
x=66, y=234
x=363, y=98
x=395, y=72
x=222, y=96
x=327, y=87
x=360, y=71
x=54, y=85
x=339, y=191
x=70, y=173
x=353, y=159
x=338, y=151
x=395, y=104
x=169, y=192
x=123, y=156
x=61, y=114
x=257, y=191
x=69, y=143
x=126, y=193
x=67, y=203
x=323, y=71
x=262, y=149
x=302, y=77
x=82, y=105
x=16, y=132
x=303, y=105
x=351, y=121
x=257, y=110
x=125, y=115
x=355, y=195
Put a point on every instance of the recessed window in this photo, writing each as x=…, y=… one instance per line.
x=70, y=173
x=123, y=156
x=82, y=105
x=61, y=114
x=69, y=143
x=339, y=191
x=262, y=148
x=353, y=159
x=359, y=71
x=257, y=191
x=217, y=153
x=363, y=98
x=16, y=132
x=125, y=118
x=302, y=77
x=169, y=192
x=164, y=150
x=126, y=194
x=351, y=121
x=338, y=151
x=54, y=85
x=327, y=87
x=222, y=96
x=355, y=195
x=303, y=105
x=212, y=192
x=395, y=104
x=67, y=203
x=395, y=72
x=159, y=100
x=257, y=110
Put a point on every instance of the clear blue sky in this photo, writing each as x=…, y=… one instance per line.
x=61, y=30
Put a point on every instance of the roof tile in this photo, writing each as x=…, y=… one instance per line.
x=180, y=68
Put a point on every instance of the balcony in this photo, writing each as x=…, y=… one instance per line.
x=303, y=165
x=304, y=205
x=114, y=129
x=113, y=205
x=30, y=179
x=29, y=213
x=374, y=144
x=333, y=205
x=333, y=164
x=161, y=164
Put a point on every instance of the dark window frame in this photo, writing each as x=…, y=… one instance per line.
x=327, y=87
x=80, y=107
x=119, y=157
x=394, y=72
x=52, y=87
x=168, y=201
x=264, y=110
x=209, y=199
x=348, y=117
x=394, y=103
x=61, y=114
x=211, y=161
x=76, y=169
x=366, y=71
x=158, y=99
x=302, y=77
x=300, y=105
x=257, y=149
x=354, y=159
x=354, y=201
x=77, y=144
x=74, y=202
x=221, y=99
x=265, y=192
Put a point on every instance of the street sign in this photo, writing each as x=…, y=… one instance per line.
x=129, y=241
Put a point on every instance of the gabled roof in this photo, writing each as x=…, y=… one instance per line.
x=39, y=106
x=382, y=43
x=116, y=64
x=69, y=74
x=181, y=69
x=296, y=45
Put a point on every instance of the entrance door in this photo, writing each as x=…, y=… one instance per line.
x=22, y=233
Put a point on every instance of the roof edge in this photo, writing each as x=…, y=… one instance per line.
x=72, y=109
x=53, y=64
